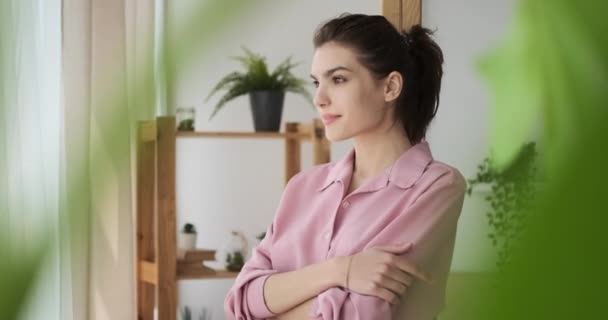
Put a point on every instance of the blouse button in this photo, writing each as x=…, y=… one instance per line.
x=345, y=204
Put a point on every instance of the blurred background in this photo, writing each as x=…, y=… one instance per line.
x=77, y=75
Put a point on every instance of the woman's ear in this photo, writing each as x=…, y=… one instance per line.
x=392, y=86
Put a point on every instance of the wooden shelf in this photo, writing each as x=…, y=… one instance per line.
x=197, y=255
x=158, y=266
x=205, y=273
x=191, y=266
x=256, y=135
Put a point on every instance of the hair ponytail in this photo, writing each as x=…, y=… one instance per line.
x=422, y=82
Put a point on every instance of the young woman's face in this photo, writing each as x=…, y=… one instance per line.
x=349, y=99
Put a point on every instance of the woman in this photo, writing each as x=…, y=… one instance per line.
x=358, y=238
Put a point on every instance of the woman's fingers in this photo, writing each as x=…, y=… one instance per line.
x=397, y=275
x=402, y=263
x=406, y=266
x=385, y=294
x=396, y=287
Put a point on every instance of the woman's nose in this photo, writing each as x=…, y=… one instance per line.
x=321, y=99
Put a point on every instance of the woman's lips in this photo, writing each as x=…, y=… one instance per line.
x=328, y=119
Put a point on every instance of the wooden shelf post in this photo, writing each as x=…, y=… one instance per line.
x=293, y=148
x=146, y=171
x=157, y=264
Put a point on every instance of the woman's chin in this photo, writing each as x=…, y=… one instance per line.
x=335, y=136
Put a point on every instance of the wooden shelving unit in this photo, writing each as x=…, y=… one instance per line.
x=158, y=268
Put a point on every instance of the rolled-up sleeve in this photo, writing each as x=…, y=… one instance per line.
x=245, y=300
x=430, y=224
x=337, y=303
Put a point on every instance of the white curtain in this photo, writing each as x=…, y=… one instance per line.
x=73, y=81
x=109, y=85
x=30, y=140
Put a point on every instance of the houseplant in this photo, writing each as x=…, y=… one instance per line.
x=266, y=90
x=233, y=251
x=512, y=191
x=186, y=313
x=186, y=239
x=235, y=261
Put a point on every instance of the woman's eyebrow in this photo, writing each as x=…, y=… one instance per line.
x=329, y=72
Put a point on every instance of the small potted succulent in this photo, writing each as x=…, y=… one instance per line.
x=233, y=251
x=186, y=239
x=185, y=118
x=235, y=261
x=266, y=89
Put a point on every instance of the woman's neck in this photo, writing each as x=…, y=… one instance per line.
x=377, y=151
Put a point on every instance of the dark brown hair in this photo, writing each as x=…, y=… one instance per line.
x=382, y=49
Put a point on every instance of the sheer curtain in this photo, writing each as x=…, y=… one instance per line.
x=30, y=140
x=72, y=85
x=109, y=85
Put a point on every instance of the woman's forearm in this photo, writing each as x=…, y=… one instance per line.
x=301, y=312
x=284, y=291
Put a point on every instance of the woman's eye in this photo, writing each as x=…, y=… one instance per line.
x=338, y=80
x=315, y=83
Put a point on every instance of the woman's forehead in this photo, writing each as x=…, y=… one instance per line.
x=332, y=55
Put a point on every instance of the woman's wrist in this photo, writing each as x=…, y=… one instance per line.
x=339, y=271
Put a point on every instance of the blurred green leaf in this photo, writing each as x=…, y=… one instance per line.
x=18, y=270
x=554, y=63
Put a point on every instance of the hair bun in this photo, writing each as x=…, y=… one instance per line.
x=417, y=34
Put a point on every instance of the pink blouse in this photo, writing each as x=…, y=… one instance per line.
x=416, y=200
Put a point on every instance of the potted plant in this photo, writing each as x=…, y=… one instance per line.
x=186, y=313
x=185, y=118
x=233, y=251
x=266, y=89
x=510, y=196
x=235, y=261
x=186, y=239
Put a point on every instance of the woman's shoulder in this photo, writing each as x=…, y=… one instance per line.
x=313, y=175
x=438, y=172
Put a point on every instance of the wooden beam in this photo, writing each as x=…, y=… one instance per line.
x=146, y=155
x=391, y=9
x=411, y=13
x=148, y=273
x=147, y=131
x=239, y=135
x=197, y=255
x=293, y=147
x=403, y=14
x=166, y=248
x=206, y=274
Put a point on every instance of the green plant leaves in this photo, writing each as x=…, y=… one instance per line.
x=510, y=197
x=18, y=271
x=554, y=64
x=257, y=77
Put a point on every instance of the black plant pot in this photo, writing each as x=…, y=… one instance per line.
x=267, y=109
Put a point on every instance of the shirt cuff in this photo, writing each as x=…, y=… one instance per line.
x=329, y=304
x=255, y=298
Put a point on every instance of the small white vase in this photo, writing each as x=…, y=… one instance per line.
x=186, y=241
x=236, y=242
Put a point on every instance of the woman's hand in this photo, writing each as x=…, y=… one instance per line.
x=381, y=272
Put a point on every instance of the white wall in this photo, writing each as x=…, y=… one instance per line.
x=225, y=185
x=465, y=30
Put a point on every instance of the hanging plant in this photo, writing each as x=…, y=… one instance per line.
x=511, y=193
